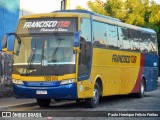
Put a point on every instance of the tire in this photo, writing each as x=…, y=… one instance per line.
x=57, y=100
x=43, y=102
x=142, y=90
x=94, y=102
x=79, y=100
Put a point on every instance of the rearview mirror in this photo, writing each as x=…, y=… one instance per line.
x=76, y=39
x=4, y=41
x=7, y=39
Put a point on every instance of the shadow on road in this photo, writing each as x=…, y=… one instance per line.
x=73, y=105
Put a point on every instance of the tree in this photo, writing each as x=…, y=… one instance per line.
x=115, y=8
x=144, y=13
x=97, y=6
x=135, y=11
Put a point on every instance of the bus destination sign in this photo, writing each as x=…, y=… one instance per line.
x=47, y=25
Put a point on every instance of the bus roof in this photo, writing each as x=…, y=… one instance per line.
x=88, y=12
x=109, y=18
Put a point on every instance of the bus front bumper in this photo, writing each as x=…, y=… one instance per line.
x=65, y=92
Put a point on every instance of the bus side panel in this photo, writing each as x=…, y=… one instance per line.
x=149, y=68
x=136, y=88
x=151, y=72
x=85, y=89
x=119, y=76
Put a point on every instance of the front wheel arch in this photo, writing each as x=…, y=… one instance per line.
x=94, y=101
x=100, y=84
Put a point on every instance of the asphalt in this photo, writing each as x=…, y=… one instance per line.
x=14, y=102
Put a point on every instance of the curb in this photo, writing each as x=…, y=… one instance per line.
x=18, y=105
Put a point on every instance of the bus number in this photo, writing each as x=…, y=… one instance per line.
x=50, y=78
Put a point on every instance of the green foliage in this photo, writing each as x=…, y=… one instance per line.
x=97, y=6
x=155, y=14
x=152, y=26
x=144, y=13
x=115, y=8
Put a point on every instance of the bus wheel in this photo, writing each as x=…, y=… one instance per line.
x=94, y=102
x=57, y=100
x=142, y=90
x=43, y=102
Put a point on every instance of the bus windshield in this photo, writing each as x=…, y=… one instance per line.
x=45, y=52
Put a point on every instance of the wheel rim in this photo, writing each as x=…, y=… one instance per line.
x=96, y=96
x=142, y=88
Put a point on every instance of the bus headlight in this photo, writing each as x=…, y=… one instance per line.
x=68, y=81
x=19, y=82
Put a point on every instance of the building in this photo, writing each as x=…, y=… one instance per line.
x=9, y=15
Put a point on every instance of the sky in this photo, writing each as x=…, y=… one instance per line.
x=44, y=6
x=157, y=1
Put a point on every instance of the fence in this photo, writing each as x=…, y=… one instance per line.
x=5, y=74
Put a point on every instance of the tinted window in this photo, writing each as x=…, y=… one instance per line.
x=144, y=40
x=152, y=43
x=85, y=46
x=124, y=42
x=148, y=42
x=99, y=31
x=134, y=39
x=112, y=37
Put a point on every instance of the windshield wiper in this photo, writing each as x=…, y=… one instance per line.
x=19, y=45
x=30, y=62
x=55, y=51
x=54, y=58
x=18, y=38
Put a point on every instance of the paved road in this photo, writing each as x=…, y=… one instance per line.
x=151, y=102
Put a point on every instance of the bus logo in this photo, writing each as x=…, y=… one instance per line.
x=124, y=58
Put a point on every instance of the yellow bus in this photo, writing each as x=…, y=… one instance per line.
x=77, y=54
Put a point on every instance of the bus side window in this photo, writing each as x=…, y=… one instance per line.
x=85, y=46
x=134, y=39
x=124, y=43
x=99, y=31
x=112, y=37
x=152, y=44
x=121, y=37
x=143, y=42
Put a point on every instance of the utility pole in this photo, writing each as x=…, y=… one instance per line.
x=65, y=4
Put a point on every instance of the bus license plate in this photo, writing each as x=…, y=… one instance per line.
x=43, y=92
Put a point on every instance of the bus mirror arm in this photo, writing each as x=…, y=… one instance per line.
x=4, y=49
x=76, y=39
x=77, y=49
